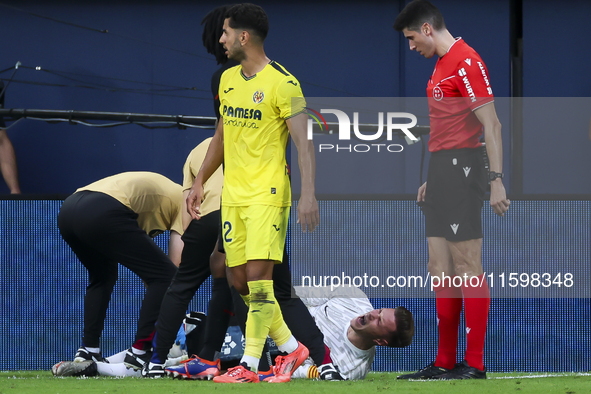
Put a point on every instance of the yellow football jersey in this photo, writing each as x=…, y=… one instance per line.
x=156, y=199
x=213, y=186
x=254, y=110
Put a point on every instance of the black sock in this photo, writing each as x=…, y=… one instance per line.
x=265, y=361
x=218, y=314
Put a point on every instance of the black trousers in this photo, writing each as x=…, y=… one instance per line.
x=103, y=232
x=199, y=240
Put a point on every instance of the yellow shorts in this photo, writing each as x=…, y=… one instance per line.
x=256, y=232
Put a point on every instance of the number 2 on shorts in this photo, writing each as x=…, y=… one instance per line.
x=228, y=228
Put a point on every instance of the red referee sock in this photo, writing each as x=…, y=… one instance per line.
x=476, y=305
x=449, y=308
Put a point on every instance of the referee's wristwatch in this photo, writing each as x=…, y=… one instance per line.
x=494, y=175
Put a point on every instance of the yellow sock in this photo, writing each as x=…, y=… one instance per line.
x=279, y=331
x=260, y=316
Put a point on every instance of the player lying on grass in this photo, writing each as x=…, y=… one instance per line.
x=352, y=328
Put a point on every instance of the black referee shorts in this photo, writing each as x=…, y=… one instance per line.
x=456, y=186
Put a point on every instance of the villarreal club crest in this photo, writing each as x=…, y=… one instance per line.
x=258, y=97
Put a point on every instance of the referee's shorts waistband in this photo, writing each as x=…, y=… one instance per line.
x=451, y=152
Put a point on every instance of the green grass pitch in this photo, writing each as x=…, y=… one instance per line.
x=42, y=382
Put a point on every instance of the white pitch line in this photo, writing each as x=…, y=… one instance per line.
x=556, y=375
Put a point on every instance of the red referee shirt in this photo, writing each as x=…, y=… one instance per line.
x=459, y=85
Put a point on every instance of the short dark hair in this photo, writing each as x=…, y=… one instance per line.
x=213, y=24
x=405, y=328
x=251, y=17
x=416, y=13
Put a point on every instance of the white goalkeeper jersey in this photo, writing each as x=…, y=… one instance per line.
x=333, y=312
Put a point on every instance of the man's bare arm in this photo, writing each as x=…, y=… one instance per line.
x=8, y=163
x=308, y=215
x=175, y=247
x=487, y=115
x=213, y=159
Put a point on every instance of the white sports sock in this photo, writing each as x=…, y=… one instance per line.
x=290, y=346
x=138, y=351
x=93, y=349
x=251, y=362
x=118, y=369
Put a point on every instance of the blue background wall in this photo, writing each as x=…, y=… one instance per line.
x=557, y=158
x=42, y=286
x=335, y=48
